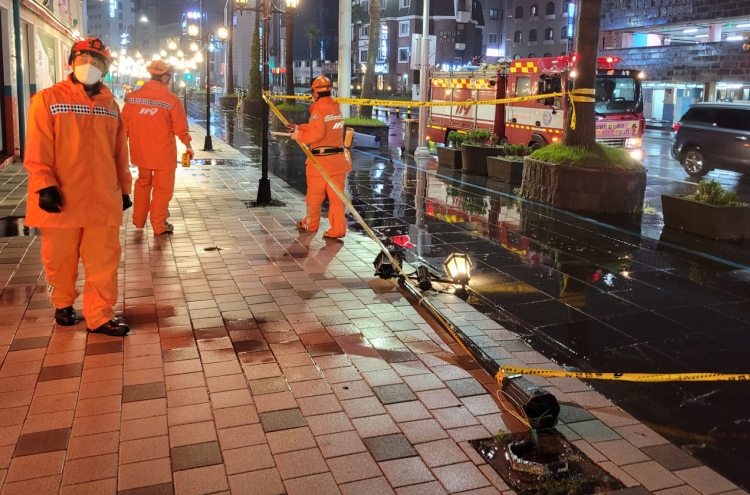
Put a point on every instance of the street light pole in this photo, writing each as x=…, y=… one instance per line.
x=264, y=185
x=345, y=48
x=422, y=153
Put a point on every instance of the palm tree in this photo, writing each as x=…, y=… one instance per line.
x=255, y=91
x=586, y=44
x=368, y=86
x=359, y=17
x=313, y=34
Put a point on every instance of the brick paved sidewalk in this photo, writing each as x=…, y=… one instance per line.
x=265, y=361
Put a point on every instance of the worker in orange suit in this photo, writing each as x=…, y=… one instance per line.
x=324, y=135
x=79, y=185
x=153, y=116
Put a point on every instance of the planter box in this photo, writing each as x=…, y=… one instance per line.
x=583, y=189
x=449, y=157
x=199, y=97
x=504, y=169
x=228, y=102
x=474, y=158
x=252, y=108
x=380, y=132
x=294, y=117
x=712, y=221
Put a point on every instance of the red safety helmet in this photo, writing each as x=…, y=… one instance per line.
x=160, y=68
x=321, y=84
x=95, y=47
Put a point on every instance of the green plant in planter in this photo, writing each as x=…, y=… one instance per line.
x=296, y=107
x=364, y=121
x=712, y=193
x=599, y=157
x=516, y=152
x=480, y=137
x=456, y=139
x=474, y=205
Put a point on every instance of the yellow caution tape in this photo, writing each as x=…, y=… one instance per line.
x=624, y=377
x=391, y=103
x=577, y=96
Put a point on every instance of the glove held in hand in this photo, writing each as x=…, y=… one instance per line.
x=50, y=200
x=126, y=203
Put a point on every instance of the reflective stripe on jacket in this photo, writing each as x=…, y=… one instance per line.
x=153, y=117
x=325, y=128
x=78, y=144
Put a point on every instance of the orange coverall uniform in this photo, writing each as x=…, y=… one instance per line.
x=153, y=116
x=325, y=129
x=78, y=144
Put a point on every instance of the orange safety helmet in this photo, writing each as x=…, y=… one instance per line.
x=321, y=84
x=94, y=46
x=160, y=68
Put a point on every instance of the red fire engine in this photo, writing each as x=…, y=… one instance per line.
x=618, y=107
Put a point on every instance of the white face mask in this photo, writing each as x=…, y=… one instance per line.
x=87, y=74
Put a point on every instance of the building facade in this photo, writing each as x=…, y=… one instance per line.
x=111, y=21
x=537, y=28
x=691, y=50
x=36, y=42
x=457, y=26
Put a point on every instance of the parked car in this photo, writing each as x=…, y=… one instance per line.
x=713, y=136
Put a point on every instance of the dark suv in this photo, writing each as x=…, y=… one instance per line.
x=711, y=136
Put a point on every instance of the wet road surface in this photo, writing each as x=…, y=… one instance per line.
x=611, y=294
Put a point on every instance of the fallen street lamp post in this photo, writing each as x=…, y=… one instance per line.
x=209, y=39
x=264, y=185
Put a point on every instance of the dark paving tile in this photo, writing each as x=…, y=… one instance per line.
x=104, y=348
x=735, y=310
x=42, y=441
x=389, y=447
x=646, y=326
x=701, y=318
x=671, y=457
x=268, y=385
x=572, y=414
x=260, y=357
x=702, y=352
x=164, y=489
x=652, y=298
x=545, y=313
x=330, y=320
x=465, y=387
x=682, y=287
x=602, y=304
x=324, y=349
x=180, y=354
x=250, y=346
x=585, y=337
x=397, y=356
x=33, y=343
x=60, y=372
x=391, y=394
x=195, y=456
x=282, y=420
x=636, y=490
x=312, y=294
x=146, y=391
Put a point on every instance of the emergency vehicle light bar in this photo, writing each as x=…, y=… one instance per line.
x=602, y=60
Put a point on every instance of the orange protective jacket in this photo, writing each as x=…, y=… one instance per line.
x=153, y=116
x=78, y=144
x=326, y=128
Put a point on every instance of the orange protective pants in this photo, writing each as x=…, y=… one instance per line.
x=317, y=188
x=99, y=249
x=161, y=182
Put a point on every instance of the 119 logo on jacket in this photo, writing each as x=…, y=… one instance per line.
x=148, y=111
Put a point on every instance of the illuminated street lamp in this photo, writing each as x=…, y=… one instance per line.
x=458, y=268
x=172, y=46
x=194, y=47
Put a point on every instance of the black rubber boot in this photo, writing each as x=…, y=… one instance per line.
x=66, y=316
x=113, y=328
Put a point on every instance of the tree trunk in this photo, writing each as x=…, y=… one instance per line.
x=229, y=77
x=368, y=85
x=310, y=43
x=586, y=46
x=289, y=56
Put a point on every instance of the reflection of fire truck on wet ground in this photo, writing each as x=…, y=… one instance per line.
x=618, y=107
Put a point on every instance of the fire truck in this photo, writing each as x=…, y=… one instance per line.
x=537, y=123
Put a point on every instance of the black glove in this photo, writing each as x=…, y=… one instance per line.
x=50, y=200
x=126, y=203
